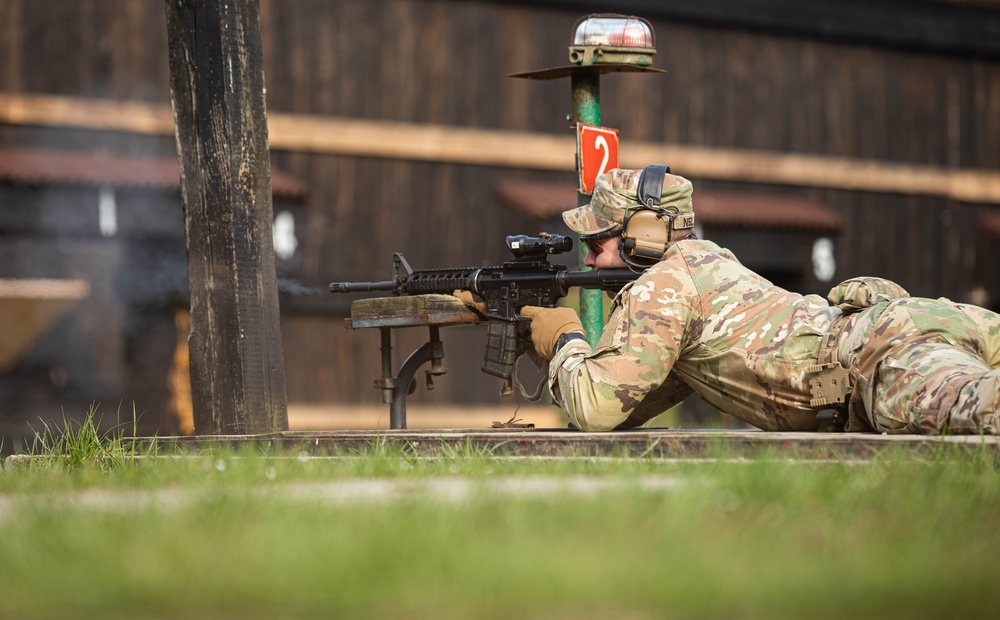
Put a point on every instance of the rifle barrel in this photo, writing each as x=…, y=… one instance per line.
x=444, y=281
x=605, y=279
x=360, y=287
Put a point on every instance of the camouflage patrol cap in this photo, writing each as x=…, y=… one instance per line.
x=617, y=191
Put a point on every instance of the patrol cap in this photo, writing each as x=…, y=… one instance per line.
x=616, y=192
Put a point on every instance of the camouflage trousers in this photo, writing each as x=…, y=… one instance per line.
x=923, y=366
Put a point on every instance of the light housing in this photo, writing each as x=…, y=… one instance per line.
x=610, y=38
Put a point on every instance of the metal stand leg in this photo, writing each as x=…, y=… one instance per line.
x=396, y=389
x=387, y=383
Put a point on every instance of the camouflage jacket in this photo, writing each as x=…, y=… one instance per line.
x=697, y=320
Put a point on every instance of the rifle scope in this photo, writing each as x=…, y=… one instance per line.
x=522, y=246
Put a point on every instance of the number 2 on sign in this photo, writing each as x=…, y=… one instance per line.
x=601, y=144
x=598, y=153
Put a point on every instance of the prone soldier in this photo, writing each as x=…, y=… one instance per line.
x=868, y=358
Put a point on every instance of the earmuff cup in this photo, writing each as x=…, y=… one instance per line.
x=646, y=234
x=646, y=229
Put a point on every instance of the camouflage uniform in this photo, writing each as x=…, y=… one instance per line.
x=923, y=366
x=700, y=321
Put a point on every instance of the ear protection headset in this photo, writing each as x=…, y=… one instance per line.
x=646, y=231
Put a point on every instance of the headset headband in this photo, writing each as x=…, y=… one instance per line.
x=651, y=184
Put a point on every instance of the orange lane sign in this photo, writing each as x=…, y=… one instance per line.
x=597, y=148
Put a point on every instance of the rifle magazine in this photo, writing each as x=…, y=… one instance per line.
x=501, y=349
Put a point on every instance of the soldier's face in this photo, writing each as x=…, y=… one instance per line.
x=604, y=254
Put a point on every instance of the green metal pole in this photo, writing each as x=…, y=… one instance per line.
x=586, y=85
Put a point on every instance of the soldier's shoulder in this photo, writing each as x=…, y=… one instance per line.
x=702, y=251
x=688, y=260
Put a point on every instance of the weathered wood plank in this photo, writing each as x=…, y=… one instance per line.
x=29, y=307
x=410, y=310
x=955, y=27
x=217, y=82
x=527, y=150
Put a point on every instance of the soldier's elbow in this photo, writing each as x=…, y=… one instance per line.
x=591, y=406
x=591, y=427
x=594, y=420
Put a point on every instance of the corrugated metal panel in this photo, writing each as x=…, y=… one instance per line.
x=546, y=200
x=35, y=166
x=764, y=211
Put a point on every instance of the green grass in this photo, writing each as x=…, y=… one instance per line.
x=79, y=443
x=222, y=536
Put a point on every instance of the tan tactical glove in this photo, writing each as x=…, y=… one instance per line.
x=475, y=302
x=547, y=324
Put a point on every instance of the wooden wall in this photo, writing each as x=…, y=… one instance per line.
x=445, y=61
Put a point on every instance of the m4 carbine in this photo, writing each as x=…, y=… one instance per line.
x=529, y=279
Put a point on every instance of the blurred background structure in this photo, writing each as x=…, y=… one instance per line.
x=394, y=127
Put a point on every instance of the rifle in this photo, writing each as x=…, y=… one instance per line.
x=527, y=280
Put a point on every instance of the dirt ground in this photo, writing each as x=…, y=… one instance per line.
x=302, y=417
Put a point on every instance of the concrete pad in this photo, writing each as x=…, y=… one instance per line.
x=651, y=443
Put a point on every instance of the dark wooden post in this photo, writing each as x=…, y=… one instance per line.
x=217, y=87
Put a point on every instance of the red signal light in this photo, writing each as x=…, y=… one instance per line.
x=606, y=38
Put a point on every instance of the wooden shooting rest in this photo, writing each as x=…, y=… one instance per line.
x=389, y=313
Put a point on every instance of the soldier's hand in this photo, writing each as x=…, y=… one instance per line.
x=547, y=324
x=471, y=300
